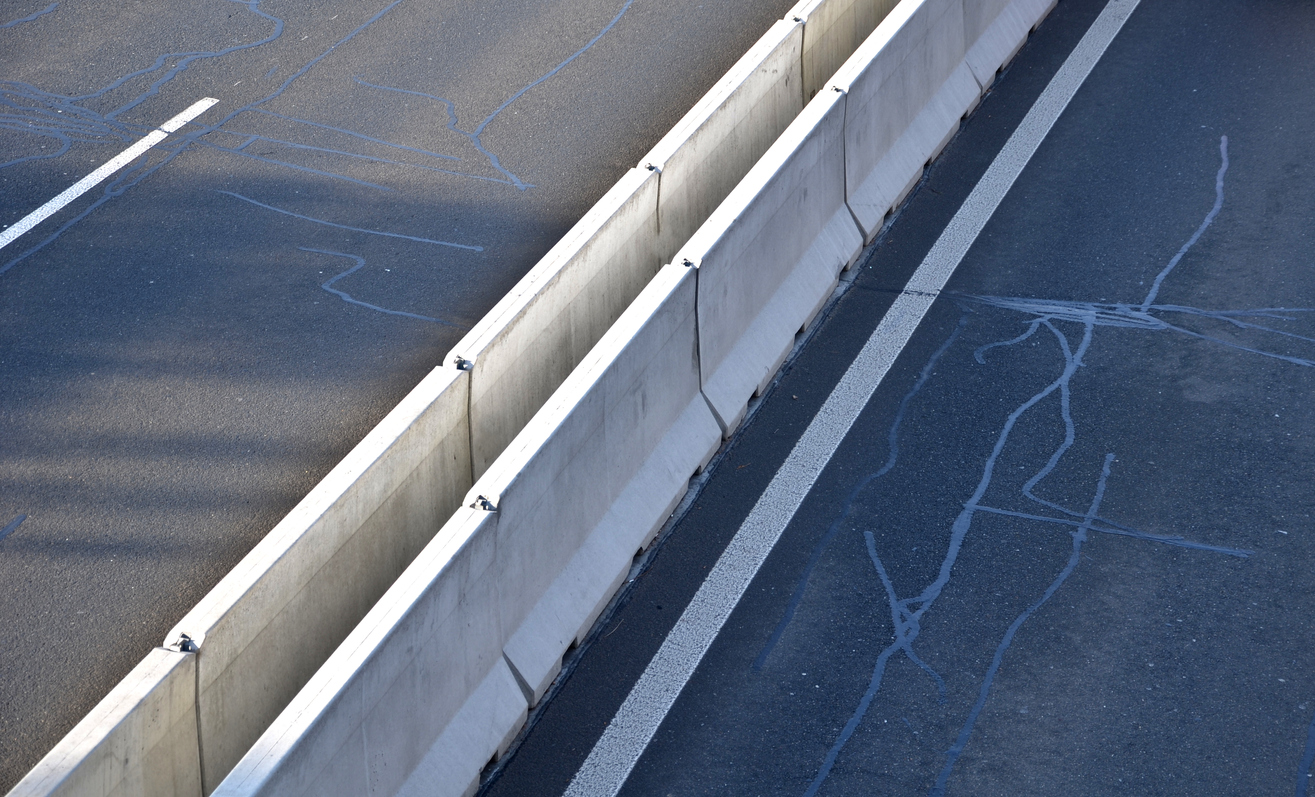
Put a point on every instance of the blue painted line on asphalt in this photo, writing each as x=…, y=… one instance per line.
x=12, y=527
x=352, y=229
x=1079, y=537
x=48, y=9
x=1307, y=760
x=1209, y=219
x=346, y=297
x=474, y=136
x=848, y=506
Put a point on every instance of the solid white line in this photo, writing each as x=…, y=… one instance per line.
x=619, y=748
x=90, y=181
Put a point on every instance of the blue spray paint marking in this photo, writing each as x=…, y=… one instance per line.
x=297, y=167
x=353, y=229
x=1209, y=219
x=1046, y=314
x=1079, y=537
x=59, y=117
x=190, y=58
x=452, y=125
x=1166, y=539
x=1126, y=316
x=48, y=9
x=63, y=111
x=905, y=631
x=1234, y=317
x=360, y=263
x=979, y=354
x=1307, y=759
x=557, y=68
x=473, y=136
x=908, y=623
x=848, y=506
x=13, y=524
x=30, y=111
x=294, y=145
x=355, y=134
x=191, y=136
x=71, y=122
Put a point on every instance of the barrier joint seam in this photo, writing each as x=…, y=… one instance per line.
x=196, y=710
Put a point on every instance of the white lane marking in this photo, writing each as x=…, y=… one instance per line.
x=89, y=182
x=619, y=748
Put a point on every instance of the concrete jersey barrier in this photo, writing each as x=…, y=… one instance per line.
x=833, y=30
x=909, y=84
x=711, y=149
x=425, y=690
x=268, y=625
x=524, y=348
x=770, y=255
x=595, y=474
x=426, y=653
x=263, y=631
x=436, y=680
x=528, y=343
x=140, y=741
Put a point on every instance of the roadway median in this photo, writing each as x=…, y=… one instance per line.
x=558, y=436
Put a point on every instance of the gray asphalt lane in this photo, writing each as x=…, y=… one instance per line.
x=187, y=349
x=1067, y=546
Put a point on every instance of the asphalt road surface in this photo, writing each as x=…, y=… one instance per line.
x=186, y=349
x=1067, y=546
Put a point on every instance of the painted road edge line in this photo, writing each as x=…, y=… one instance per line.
x=617, y=751
x=11, y=234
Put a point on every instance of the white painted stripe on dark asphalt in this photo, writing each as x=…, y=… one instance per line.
x=10, y=234
x=622, y=743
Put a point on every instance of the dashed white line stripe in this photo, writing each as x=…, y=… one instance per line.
x=89, y=182
x=617, y=751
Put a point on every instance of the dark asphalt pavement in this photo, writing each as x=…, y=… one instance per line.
x=186, y=350
x=1131, y=610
